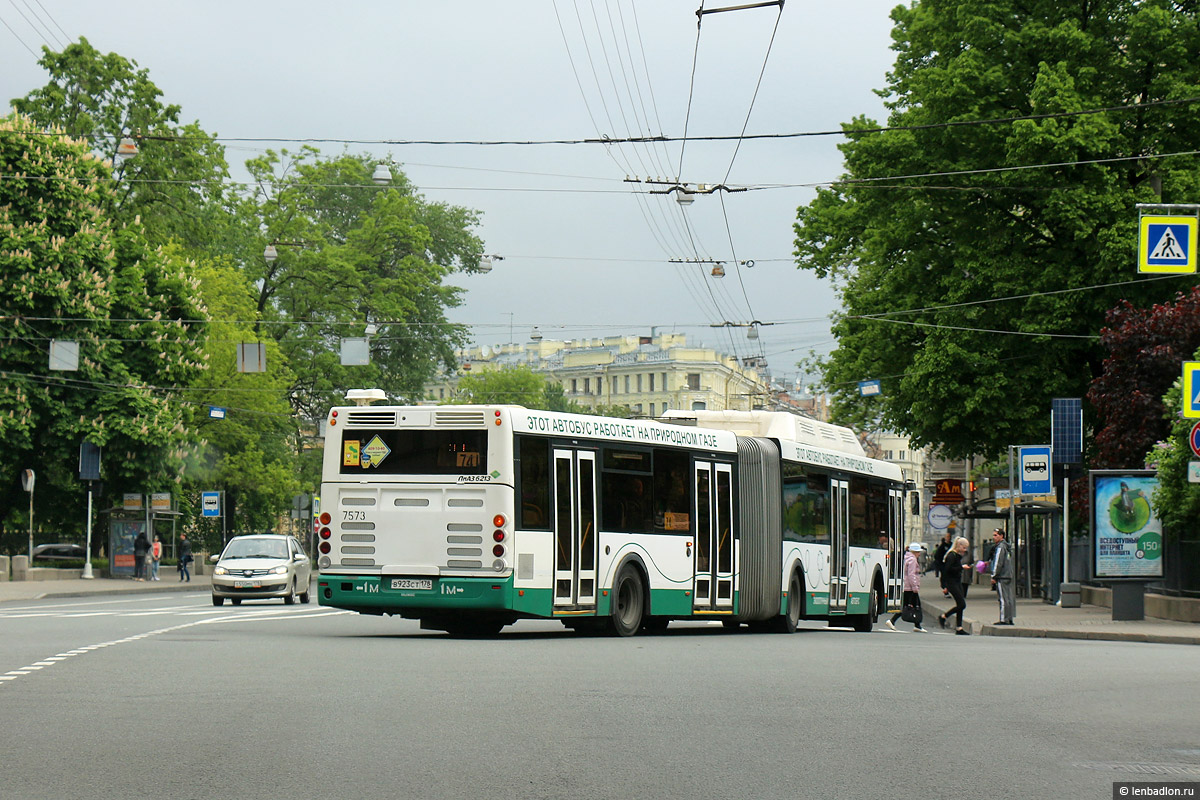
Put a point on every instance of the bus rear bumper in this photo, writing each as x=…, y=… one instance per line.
x=382, y=594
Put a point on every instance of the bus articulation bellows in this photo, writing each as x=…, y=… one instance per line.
x=469, y=518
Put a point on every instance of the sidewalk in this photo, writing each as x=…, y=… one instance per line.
x=1036, y=618
x=23, y=591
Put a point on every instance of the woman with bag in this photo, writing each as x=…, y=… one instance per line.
x=910, y=604
x=952, y=582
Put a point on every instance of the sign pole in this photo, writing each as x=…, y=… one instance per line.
x=87, y=548
x=1066, y=525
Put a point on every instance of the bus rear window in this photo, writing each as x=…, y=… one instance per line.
x=414, y=452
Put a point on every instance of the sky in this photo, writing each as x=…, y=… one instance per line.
x=584, y=252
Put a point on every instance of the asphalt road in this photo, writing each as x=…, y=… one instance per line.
x=167, y=696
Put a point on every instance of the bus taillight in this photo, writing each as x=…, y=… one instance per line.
x=325, y=518
x=498, y=550
x=324, y=547
x=326, y=533
x=498, y=535
x=498, y=521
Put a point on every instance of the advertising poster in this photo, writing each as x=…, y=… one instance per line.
x=1128, y=535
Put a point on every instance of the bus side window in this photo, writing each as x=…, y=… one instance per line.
x=533, y=482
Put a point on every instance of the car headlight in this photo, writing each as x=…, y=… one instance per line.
x=220, y=571
x=280, y=570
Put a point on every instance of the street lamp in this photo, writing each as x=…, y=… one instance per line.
x=382, y=175
x=485, y=262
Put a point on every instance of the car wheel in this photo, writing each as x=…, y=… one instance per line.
x=304, y=598
x=217, y=601
x=237, y=601
x=290, y=597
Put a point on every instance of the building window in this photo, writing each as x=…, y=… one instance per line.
x=574, y=387
x=664, y=384
x=652, y=388
x=442, y=393
x=614, y=385
x=639, y=383
x=699, y=405
x=693, y=381
x=652, y=408
x=587, y=385
x=626, y=384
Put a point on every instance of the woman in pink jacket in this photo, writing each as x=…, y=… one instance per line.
x=912, y=587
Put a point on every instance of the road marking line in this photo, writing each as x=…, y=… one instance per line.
x=12, y=675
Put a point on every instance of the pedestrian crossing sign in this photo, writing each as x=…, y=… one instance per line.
x=1191, y=389
x=1167, y=244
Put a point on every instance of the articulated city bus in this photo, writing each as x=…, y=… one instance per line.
x=469, y=518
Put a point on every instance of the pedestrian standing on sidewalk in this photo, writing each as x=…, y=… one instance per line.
x=1001, y=569
x=912, y=588
x=155, y=556
x=141, y=546
x=952, y=582
x=185, y=557
x=940, y=553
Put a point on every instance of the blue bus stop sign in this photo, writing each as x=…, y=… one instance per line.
x=1034, y=469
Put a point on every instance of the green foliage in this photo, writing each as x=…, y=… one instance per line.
x=518, y=385
x=251, y=453
x=1176, y=502
x=353, y=254
x=175, y=184
x=554, y=398
x=919, y=262
x=69, y=272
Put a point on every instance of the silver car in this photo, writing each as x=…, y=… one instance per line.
x=260, y=566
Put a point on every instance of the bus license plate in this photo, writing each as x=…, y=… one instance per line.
x=412, y=583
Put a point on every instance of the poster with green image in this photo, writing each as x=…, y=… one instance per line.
x=1128, y=534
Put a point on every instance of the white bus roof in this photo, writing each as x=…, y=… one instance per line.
x=777, y=425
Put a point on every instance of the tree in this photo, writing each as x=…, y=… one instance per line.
x=518, y=386
x=1176, y=501
x=251, y=453
x=176, y=183
x=1145, y=349
x=69, y=272
x=351, y=255
x=970, y=295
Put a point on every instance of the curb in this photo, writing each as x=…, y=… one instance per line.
x=983, y=629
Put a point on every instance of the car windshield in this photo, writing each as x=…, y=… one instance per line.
x=256, y=548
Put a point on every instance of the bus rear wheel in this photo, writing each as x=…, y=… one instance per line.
x=628, y=602
x=787, y=622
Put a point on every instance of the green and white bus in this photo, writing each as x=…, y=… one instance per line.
x=469, y=518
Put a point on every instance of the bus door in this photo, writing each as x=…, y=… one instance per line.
x=839, y=547
x=712, y=588
x=897, y=547
x=574, y=528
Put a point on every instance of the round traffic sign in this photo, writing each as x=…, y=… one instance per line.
x=940, y=517
x=1194, y=439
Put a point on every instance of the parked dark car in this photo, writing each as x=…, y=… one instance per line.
x=59, y=552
